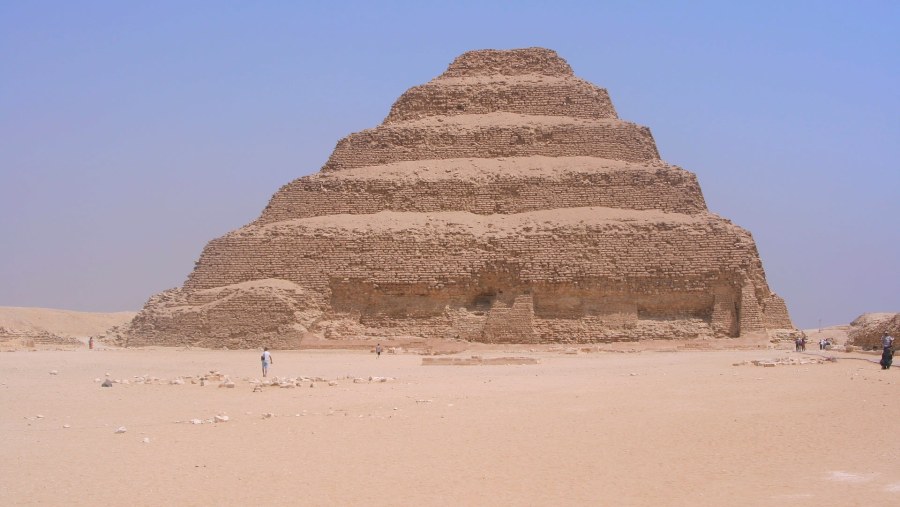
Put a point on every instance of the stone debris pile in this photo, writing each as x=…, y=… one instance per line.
x=36, y=338
x=218, y=418
x=477, y=361
x=225, y=381
x=787, y=361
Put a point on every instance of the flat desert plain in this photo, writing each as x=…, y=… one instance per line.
x=645, y=428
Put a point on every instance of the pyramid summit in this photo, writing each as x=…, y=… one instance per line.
x=503, y=201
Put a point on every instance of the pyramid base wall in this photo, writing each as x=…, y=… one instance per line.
x=282, y=315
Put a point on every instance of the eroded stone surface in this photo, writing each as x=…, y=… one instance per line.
x=867, y=329
x=502, y=202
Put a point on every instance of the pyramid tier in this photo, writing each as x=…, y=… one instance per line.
x=486, y=186
x=512, y=62
x=573, y=262
x=494, y=135
x=549, y=245
x=529, y=94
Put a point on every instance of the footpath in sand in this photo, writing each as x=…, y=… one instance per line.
x=648, y=428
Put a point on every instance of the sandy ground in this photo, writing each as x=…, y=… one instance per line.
x=647, y=428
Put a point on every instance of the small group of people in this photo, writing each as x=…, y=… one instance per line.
x=824, y=343
x=800, y=344
x=887, y=351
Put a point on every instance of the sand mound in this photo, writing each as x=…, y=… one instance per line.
x=61, y=322
x=32, y=327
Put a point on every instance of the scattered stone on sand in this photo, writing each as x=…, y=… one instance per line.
x=477, y=361
x=196, y=421
x=786, y=361
x=54, y=372
x=268, y=415
x=121, y=429
x=292, y=382
x=67, y=425
x=221, y=418
x=145, y=440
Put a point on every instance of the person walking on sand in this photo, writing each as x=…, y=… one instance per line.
x=266, y=361
x=378, y=351
x=887, y=353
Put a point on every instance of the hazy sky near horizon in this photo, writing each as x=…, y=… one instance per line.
x=132, y=133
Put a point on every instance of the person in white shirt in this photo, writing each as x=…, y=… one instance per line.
x=266, y=361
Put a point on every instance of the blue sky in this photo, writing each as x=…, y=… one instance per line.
x=131, y=133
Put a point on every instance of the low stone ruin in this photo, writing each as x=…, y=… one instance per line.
x=867, y=329
x=35, y=338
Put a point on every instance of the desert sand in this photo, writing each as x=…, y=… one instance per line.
x=61, y=322
x=643, y=428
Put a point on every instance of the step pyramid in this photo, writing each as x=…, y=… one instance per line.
x=503, y=201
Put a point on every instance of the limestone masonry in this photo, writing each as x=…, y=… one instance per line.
x=502, y=202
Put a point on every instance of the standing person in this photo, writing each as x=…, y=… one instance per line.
x=91, y=342
x=266, y=361
x=803, y=344
x=887, y=353
x=378, y=351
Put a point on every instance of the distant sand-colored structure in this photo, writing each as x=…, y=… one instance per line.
x=502, y=202
x=23, y=327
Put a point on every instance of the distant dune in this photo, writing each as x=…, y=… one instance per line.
x=65, y=323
